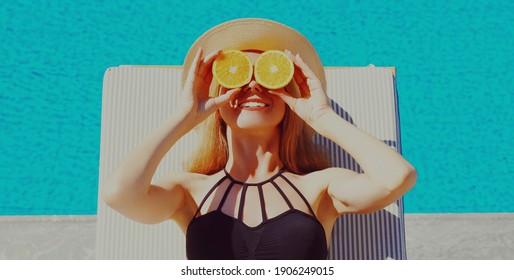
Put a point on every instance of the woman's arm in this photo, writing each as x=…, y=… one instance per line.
x=387, y=175
x=129, y=189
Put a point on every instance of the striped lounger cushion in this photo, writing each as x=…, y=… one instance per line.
x=136, y=99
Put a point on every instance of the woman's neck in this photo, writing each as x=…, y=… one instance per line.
x=253, y=157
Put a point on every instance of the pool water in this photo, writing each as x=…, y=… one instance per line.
x=453, y=61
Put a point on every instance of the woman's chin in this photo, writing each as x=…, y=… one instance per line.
x=253, y=117
x=255, y=122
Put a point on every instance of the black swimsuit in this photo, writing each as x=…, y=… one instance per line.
x=294, y=234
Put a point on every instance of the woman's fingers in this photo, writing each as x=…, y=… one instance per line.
x=212, y=56
x=289, y=100
x=201, y=67
x=221, y=100
x=307, y=71
x=298, y=75
x=301, y=81
x=305, y=78
x=312, y=80
x=298, y=61
x=192, y=70
x=206, y=65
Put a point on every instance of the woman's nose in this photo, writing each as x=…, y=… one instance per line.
x=253, y=85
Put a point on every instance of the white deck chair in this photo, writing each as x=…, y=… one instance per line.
x=136, y=99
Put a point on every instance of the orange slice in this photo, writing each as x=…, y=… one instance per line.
x=232, y=69
x=273, y=69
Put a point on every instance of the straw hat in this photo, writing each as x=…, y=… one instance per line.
x=255, y=34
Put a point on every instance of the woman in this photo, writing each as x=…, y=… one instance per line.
x=258, y=189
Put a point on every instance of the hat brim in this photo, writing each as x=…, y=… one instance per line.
x=255, y=34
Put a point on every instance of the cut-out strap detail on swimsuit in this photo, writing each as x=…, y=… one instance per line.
x=259, y=185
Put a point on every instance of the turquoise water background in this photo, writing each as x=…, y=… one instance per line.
x=454, y=62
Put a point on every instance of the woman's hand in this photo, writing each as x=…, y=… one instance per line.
x=314, y=102
x=196, y=100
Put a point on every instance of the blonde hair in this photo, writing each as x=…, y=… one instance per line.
x=298, y=152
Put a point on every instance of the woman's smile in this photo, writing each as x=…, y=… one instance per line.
x=252, y=109
x=253, y=104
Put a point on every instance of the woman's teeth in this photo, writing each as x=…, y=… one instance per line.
x=253, y=104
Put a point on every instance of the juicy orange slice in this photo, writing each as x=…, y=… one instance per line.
x=232, y=69
x=273, y=69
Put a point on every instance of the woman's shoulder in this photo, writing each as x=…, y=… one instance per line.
x=314, y=181
x=313, y=176
x=197, y=182
x=189, y=181
x=320, y=179
x=330, y=173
